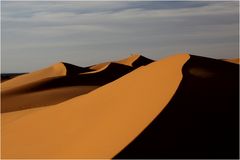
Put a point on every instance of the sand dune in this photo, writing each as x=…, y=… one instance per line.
x=134, y=60
x=8, y=76
x=25, y=100
x=96, y=125
x=54, y=90
x=99, y=66
x=58, y=89
x=200, y=121
x=73, y=69
x=110, y=67
x=52, y=71
x=35, y=91
x=183, y=106
x=235, y=60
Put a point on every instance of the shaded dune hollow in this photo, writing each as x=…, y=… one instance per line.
x=200, y=121
x=183, y=106
x=94, y=125
x=134, y=61
x=75, y=82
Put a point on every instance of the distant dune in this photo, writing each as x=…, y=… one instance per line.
x=7, y=76
x=46, y=87
x=234, y=60
x=182, y=106
x=200, y=121
x=134, y=60
x=55, y=70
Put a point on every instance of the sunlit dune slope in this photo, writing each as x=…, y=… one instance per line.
x=7, y=76
x=14, y=101
x=96, y=125
x=200, y=121
x=52, y=71
x=58, y=69
x=134, y=60
x=73, y=69
x=235, y=60
x=54, y=90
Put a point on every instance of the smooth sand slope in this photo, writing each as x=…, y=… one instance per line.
x=8, y=76
x=234, y=60
x=95, y=125
x=76, y=81
x=55, y=70
x=200, y=121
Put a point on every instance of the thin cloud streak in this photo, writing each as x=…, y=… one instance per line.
x=84, y=33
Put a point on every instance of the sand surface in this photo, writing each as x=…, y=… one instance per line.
x=201, y=121
x=52, y=71
x=24, y=100
x=129, y=61
x=94, y=125
x=46, y=87
x=234, y=60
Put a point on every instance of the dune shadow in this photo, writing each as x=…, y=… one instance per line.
x=50, y=91
x=200, y=121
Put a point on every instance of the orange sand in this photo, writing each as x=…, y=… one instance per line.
x=95, y=125
x=52, y=71
x=235, y=60
x=127, y=61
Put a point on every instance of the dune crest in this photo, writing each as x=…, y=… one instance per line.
x=234, y=60
x=201, y=121
x=57, y=69
x=99, y=66
x=129, y=60
x=50, y=91
x=99, y=124
x=135, y=60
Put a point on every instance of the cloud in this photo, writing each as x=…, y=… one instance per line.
x=89, y=32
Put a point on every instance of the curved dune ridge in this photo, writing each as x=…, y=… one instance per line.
x=234, y=60
x=135, y=60
x=95, y=125
x=36, y=89
x=57, y=69
x=182, y=106
x=200, y=121
x=73, y=69
x=129, y=60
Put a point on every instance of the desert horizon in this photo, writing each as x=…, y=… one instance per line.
x=120, y=80
x=117, y=121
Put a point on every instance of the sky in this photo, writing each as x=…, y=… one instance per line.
x=38, y=34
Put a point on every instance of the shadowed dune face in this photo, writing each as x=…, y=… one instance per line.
x=98, y=124
x=179, y=107
x=39, y=92
x=74, y=70
x=40, y=88
x=200, y=121
x=8, y=76
x=52, y=71
x=141, y=61
x=99, y=66
x=134, y=60
x=25, y=100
